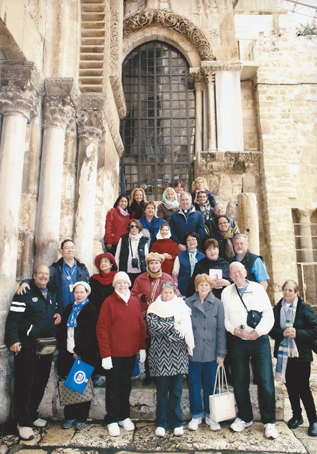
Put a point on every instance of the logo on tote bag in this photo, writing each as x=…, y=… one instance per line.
x=80, y=377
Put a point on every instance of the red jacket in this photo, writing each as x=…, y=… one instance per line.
x=167, y=246
x=116, y=226
x=120, y=327
x=143, y=286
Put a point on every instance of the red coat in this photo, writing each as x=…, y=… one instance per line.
x=116, y=226
x=120, y=327
x=166, y=246
x=143, y=286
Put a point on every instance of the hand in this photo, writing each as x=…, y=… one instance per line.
x=178, y=293
x=107, y=363
x=75, y=356
x=16, y=348
x=142, y=356
x=167, y=256
x=58, y=319
x=182, y=247
x=143, y=299
x=240, y=333
x=290, y=333
x=22, y=288
x=252, y=336
x=109, y=246
x=220, y=361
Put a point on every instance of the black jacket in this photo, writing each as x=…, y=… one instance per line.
x=248, y=262
x=124, y=253
x=99, y=292
x=306, y=330
x=31, y=316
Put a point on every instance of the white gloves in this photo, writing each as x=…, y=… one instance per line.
x=142, y=356
x=107, y=363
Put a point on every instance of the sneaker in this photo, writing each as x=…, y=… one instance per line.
x=113, y=429
x=127, y=424
x=68, y=423
x=270, y=431
x=160, y=432
x=214, y=426
x=26, y=433
x=239, y=425
x=178, y=431
x=194, y=423
x=79, y=425
x=40, y=422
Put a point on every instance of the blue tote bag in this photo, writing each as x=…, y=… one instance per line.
x=79, y=376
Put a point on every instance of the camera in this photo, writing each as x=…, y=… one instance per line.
x=135, y=262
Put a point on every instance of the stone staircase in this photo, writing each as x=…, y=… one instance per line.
x=92, y=45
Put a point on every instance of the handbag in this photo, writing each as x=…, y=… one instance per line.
x=253, y=317
x=222, y=405
x=69, y=397
x=79, y=376
x=46, y=345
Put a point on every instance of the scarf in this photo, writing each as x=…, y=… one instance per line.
x=77, y=307
x=150, y=224
x=205, y=210
x=105, y=278
x=159, y=236
x=192, y=260
x=154, y=275
x=137, y=208
x=178, y=309
x=229, y=252
x=123, y=212
x=287, y=348
x=136, y=237
x=124, y=297
x=169, y=205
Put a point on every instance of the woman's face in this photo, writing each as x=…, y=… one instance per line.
x=80, y=293
x=202, y=198
x=149, y=211
x=289, y=292
x=191, y=243
x=203, y=288
x=179, y=189
x=165, y=231
x=223, y=224
x=199, y=184
x=170, y=195
x=138, y=196
x=105, y=265
x=134, y=229
x=123, y=203
x=167, y=294
x=212, y=253
x=154, y=266
x=122, y=287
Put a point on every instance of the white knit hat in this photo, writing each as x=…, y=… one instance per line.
x=84, y=284
x=121, y=276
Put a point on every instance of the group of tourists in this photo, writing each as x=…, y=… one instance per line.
x=179, y=292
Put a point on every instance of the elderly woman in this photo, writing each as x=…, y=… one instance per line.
x=213, y=265
x=101, y=283
x=295, y=328
x=169, y=205
x=224, y=237
x=199, y=184
x=167, y=247
x=208, y=320
x=77, y=339
x=138, y=199
x=121, y=333
x=132, y=250
x=116, y=223
x=185, y=263
x=149, y=221
x=170, y=327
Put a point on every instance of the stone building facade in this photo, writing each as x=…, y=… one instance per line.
x=62, y=102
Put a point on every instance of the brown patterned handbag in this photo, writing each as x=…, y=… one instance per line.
x=69, y=397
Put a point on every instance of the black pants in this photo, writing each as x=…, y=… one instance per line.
x=297, y=384
x=79, y=412
x=118, y=387
x=31, y=374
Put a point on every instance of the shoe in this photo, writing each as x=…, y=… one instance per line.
x=178, y=431
x=113, y=429
x=293, y=423
x=68, y=423
x=100, y=382
x=79, y=425
x=214, y=426
x=127, y=424
x=40, y=423
x=238, y=425
x=312, y=431
x=26, y=433
x=147, y=381
x=270, y=431
x=160, y=432
x=194, y=423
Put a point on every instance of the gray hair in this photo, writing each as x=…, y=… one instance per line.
x=239, y=236
x=168, y=284
x=185, y=193
x=290, y=281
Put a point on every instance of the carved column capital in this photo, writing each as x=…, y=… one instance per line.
x=60, y=100
x=198, y=77
x=21, y=88
x=304, y=215
x=90, y=115
x=211, y=67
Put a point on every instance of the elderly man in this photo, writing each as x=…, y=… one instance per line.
x=64, y=273
x=212, y=225
x=250, y=341
x=254, y=264
x=185, y=220
x=32, y=315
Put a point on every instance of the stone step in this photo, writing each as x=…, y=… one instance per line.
x=90, y=72
x=93, y=41
x=88, y=56
x=92, y=49
x=86, y=2
x=94, y=88
x=93, y=25
x=92, y=7
x=92, y=16
x=88, y=64
x=92, y=33
x=95, y=80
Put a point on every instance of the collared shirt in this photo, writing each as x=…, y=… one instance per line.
x=259, y=270
x=69, y=277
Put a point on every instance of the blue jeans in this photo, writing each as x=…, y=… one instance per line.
x=197, y=372
x=260, y=352
x=168, y=402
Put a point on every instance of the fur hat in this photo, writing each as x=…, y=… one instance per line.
x=154, y=256
x=108, y=256
x=121, y=276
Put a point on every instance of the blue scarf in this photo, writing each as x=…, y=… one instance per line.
x=192, y=260
x=72, y=319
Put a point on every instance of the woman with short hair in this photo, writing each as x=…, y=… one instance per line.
x=151, y=222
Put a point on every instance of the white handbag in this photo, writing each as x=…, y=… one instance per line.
x=222, y=405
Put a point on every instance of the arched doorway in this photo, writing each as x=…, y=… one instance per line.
x=158, y=130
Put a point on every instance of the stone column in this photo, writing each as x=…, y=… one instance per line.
x=248, y=220
x=212, y=132
x=199, y=87
x=21, y=86
x=306, y=243
x=60, y=99
x=90, y=118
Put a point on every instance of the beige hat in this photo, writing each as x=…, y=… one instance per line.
x=84, y=284
x=154, y=256
x=121, y=276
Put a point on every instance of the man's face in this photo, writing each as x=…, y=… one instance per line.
x=238, y=274
x=220, y=210
x=185, y=202
x=240, y=246
x=41, y=276
x=68, y=251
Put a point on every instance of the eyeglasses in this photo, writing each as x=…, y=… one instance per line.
x=42, y=274
x=191, y=240
x=133, y=226
x=223, y=223
x=68, y=248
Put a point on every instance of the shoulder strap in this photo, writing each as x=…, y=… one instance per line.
x=241, y=298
